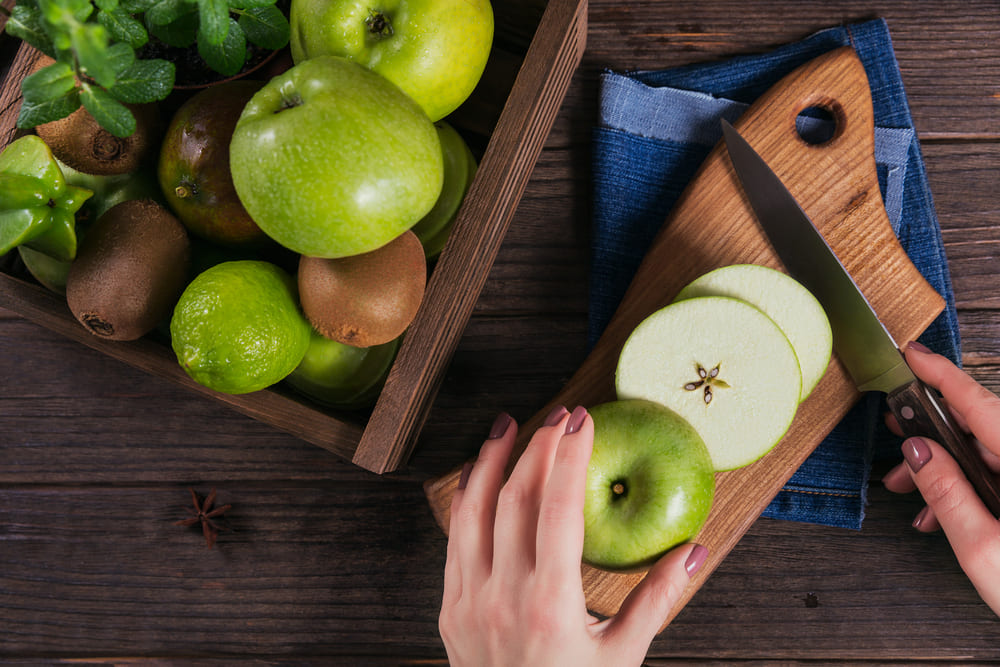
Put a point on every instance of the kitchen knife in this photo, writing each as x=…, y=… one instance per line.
x=861, y=342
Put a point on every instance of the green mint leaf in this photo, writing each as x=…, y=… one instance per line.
x=214, y=21
x=106, y=5
x=120, y=57
x=250, y=4
x=26, y=23
x=226, y=58
x=266, y=27
x=166, y=11
x=123, y=27
x=44, y=111
x=109, y=113
x=90, y=43
x=136, y=6
x=180, y=33
x=48, y=83
x=145, y=81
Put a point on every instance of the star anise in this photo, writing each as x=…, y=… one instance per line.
x=204, y=514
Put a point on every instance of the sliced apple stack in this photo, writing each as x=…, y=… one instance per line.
x=734, y=355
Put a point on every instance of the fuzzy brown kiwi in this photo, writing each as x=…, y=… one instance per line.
x=367, y=299
x=80, y=142
x=130, y=270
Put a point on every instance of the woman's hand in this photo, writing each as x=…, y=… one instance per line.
x=952, y=504
x=513, y=592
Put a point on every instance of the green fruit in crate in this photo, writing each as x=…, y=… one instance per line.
x=332, y=160
x=237, y=327
x=37, y=205
x=434, y=50
x=459, y=170
x=342, y=376
x=650, y=484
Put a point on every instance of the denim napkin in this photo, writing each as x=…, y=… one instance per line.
x=657, y=127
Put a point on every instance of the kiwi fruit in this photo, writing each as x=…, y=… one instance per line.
x=368, y=299
x=130, y=270
x=80, y=142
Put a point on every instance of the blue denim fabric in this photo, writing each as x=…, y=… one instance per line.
x=656, y=129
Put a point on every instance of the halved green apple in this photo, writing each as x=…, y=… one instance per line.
x=724, y=366
x=786, y=301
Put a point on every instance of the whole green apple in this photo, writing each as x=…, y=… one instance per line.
x=435, y=50
x=332, y=160
x=650, y=484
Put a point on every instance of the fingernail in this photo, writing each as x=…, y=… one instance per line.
x=500, y=425
x=576, y=419
x=555, y=416
x=914, y=345
x=695, y=559
x=916, y=452
x=464, y=478
x=921, y=517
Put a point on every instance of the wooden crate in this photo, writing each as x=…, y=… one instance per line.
x=537, y=47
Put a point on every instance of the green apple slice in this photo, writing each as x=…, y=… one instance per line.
x=786, y=301
x=650, y=484
x=724, y=366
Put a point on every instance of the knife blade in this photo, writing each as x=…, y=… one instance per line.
x=862, y=343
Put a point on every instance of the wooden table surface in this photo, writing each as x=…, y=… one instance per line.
x=328, y=563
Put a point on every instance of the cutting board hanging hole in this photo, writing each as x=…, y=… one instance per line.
x=816, y=125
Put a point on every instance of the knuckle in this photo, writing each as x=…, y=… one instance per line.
x=943, y=493
x=512, y=497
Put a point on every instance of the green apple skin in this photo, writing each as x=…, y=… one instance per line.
x=332, y=160
x=434, y=50
x=342, y=376
x=459, y=170
x=650, y=485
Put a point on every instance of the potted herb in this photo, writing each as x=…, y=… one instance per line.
x=101, y=50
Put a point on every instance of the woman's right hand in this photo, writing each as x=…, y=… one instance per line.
x=952, y=504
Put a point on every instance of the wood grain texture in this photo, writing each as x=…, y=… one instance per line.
x=93, y=439
x=712, y=226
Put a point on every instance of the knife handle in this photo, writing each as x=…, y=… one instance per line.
x=919, y=412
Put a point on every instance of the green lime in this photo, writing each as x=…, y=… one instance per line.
x=237, y=327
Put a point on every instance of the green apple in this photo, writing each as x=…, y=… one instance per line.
x=724, y=366
x=650, y=484
x=459, y=170
x=342, y=376
x=434, y=50
x=332, y=160
x=782, y=298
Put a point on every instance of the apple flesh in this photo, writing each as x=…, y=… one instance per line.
x=650, y=484
x=724, y=366
x=786, y=301
x=434, y=50
x=332, y=160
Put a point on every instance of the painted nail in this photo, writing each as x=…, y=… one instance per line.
x=916, y=452
x=464, y=478
x=500, y=425
x=555, y=416
x=695, y=559
x=914, y=345
x=576, y=419
x=921, y=517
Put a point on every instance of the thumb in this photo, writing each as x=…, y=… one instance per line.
x=972, y=531
x=647, y=607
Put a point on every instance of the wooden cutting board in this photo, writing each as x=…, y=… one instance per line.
x=712, y=226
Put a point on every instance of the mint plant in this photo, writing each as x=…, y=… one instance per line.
x=95, y=43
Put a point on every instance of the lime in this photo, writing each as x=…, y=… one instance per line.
x=237, y=327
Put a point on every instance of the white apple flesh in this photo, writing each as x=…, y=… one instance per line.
x=786, y=301
x=724, y=366
x=650, y=484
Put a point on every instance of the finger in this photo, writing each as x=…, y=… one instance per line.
x=972, y=531
x=898, y=480
x=648, y=606
x=926, y=522
x=977, y=406
x=452, y=566
x=474, y=509
x=560, y=517
x=520, y=498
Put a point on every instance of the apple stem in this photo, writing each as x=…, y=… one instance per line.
x=182, y=191
x=618, y=488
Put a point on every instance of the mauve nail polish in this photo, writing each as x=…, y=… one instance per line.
x=500, y=425
x=576, y=419
x=916, y=452
x=555, y=416
x=695, y=559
